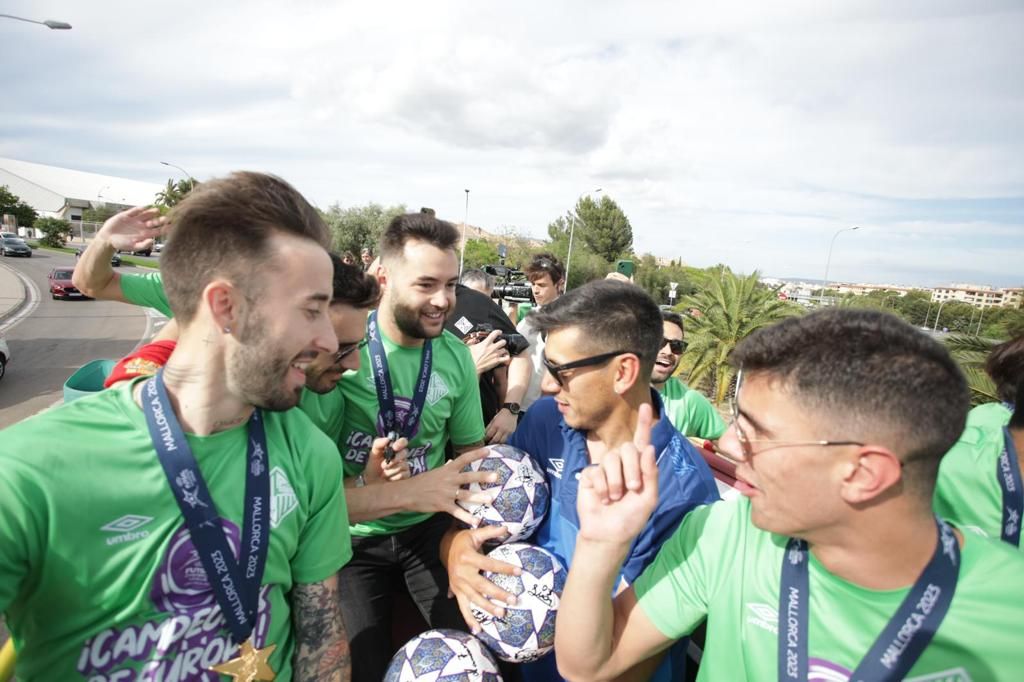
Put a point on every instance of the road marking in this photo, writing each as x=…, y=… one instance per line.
x=31, y=303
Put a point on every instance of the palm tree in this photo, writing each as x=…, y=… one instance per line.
x=970, y=352
x=721, y=314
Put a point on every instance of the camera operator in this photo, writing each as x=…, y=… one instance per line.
x=547, y=282
x=482, y=325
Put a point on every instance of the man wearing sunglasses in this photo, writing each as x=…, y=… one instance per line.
x=689, y=411
x=602, y=339
x=832, y=565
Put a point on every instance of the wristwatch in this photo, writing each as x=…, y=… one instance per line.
x=514, y=408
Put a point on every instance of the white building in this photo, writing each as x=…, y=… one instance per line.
x=64, y=193
x=979, y=296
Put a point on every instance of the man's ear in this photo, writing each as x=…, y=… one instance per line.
x=627, y=373
x=875, y=472
x=223, y=302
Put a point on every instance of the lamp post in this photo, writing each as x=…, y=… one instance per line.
x=572, y=230
x=465, y=221
x=49, y=23
x=928, y=313
x=191, y=182
x=981, y=315
x=828, y=261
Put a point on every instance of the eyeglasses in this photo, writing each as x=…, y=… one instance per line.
x=747, y=443
x=345, y=351
x=556, y=370
x=677, y=346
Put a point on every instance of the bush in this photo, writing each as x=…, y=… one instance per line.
x=56, y=232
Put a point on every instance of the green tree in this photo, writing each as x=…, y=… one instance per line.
x=10, y=203
x=56, y=232
x=100, y=214
x=970, y=353
x=359, y=227
x=479, y=252
x=721, y=315
x=603, y=227
x=174, y=192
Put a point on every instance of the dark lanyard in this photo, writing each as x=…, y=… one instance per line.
x=1008, y=475
x=903, y=639
x=236, y=585
x=385, y=392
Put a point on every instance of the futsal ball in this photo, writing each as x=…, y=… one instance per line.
x=527, y=630
x=523, y=495
x=443, y=656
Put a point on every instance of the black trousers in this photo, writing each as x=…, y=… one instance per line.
x=382, y=566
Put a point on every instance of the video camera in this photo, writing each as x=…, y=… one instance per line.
x=509, y=284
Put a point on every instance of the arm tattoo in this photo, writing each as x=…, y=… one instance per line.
x=321, y=643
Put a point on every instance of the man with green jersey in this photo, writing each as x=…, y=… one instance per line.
x=979, y=486
x=832, y=565
x=689, y=411
x=191, y=525
x=417, y=383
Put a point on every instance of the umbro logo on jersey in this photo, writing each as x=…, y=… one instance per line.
x=437, y=389
x=765, y=617
x=556, y=467
x=126, y=528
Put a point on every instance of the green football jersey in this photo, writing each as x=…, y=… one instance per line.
x=967, y=492
x=146, y=290
x=99, y=579
x=718, y=566
x=452, y=411
x=690, y=412
x=325, y=410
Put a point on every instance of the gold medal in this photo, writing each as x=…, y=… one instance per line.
x=251, y=665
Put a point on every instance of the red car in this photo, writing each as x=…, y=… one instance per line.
x=61, y=286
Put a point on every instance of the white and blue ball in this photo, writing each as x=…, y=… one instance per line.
x=443, y=656
x=523, y=495
x=527, y=630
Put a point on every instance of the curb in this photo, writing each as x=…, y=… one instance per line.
x=16, y=308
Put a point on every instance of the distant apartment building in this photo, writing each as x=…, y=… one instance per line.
x=979, y=296
x=864, y=289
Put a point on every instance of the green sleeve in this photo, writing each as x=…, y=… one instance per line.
x=677, y=588
x=703, y=420
x=146, y=290
x=22, y=526
x=326, y=411
x=324, y=542
x=466, y=425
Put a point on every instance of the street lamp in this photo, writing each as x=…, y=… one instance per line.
x=191, y=182
x=465, y=221
x=49, y=23
x=828, y=261
x=572, y=229
x=937, y=316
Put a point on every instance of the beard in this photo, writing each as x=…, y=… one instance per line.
x=408, y=320
x=256, y=372
x=660, y=375
x=317, y=381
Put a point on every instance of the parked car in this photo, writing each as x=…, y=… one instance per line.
x=158, y=246
x=5, y=357
x=12, y=235
x=15, y=246
x=115, y=260
x=61, y=286
x=143, y=252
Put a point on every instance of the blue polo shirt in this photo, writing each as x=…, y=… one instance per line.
x=684, y=481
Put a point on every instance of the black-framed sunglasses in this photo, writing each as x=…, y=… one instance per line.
x=677, y=346
x=556, y=370
x=345, y=351
x=746, y=444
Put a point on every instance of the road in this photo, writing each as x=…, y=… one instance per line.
x=58, y=337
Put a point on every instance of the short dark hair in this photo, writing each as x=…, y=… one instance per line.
x=352, y=286
x=545, y=264
x=1005, y=364
x=613, y=315
x=673, y=317
x=417, y=227
x=870, y=372
x=223, y=229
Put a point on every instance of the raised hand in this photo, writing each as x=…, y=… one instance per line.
x=489, y=353
x=133, y=229
x=379, y=470
x=616, y=497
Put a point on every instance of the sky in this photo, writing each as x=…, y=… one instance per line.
x=741, y=133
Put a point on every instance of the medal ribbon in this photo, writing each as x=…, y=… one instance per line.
x=236, y=585
x=903, y=639
x=1008, y=475
x=385, y=392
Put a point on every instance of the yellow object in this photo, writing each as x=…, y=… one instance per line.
x=251, y=665
x=7, y=657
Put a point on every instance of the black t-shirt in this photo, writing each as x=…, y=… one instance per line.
x=473, y=308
